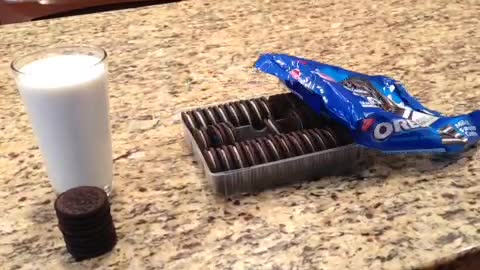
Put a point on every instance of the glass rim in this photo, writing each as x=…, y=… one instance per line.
x=14, y=64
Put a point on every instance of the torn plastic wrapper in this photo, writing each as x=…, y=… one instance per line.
x=378, y=111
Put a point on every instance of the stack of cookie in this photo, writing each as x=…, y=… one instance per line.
x=85, y=221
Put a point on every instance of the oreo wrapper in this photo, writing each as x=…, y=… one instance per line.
x=377, y=110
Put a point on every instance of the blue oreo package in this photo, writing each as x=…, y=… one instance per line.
x=378, y=111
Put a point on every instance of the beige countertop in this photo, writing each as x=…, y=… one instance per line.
x=400, y=214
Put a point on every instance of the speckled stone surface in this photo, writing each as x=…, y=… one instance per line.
x=402, y=213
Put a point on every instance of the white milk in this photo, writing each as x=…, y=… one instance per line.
x=67, y=102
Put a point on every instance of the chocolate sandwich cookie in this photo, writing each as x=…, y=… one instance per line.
x=245, y=112
x=341, y=133
x=85, y=249
x=85, y=222
x=281, y=103
x=83, y=255
x=291, y=122
x=296, y=118
x=285, y=150
x=329, y=139
x=211, y=117
x=237, y=156
x=294, y=101
x=103, y=235
x=249, y=153
x=256, y=115
x=307, y=141
x=233, y=114
x=225, y=158
x=87, y=218
x=263, y=145
x=273, y=148
x=201, y=137
x=272, y=126
x=240, y=114
x=188, y=119
x=296, y=144
x=310, y=118
x=227, y=130
x=317, y=139
x=263, y=104
x=200, y=118
x=221, y=114
x=331, y=135
x=81, y=202
x=220, y=130
x=258, y=151
x=303, y=145
x=242, y=154
x=215, y=136
x=87, y=252
x=212, y=160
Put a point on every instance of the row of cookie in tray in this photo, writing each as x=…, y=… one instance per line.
x=258, y=113
x=226, y=134
x=237, y=155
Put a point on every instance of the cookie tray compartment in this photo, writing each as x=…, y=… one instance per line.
x=335, y=161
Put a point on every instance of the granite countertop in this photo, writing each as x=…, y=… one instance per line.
x=402, y=213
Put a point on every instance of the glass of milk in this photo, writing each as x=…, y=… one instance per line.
x=65, y=93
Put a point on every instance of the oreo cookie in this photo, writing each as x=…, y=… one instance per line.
x=259, y=151
x=272, y=127
x=249, y=153
x=202, y=138
x=318, y=140
x=210, y=114
x=241, y=116
x=329, y=139
x=256, y=115
x=200, y=118
x=341, y=133
x=237, y=156
x=265, y=150
x=85, y=222
x=285, y=149
x=309, y=118
x=221, y=114
x=307, y=142
x=215, y=135
x=263, y=104
x=295, y=143
x=227, y=131
x=273, y=148
x=225, y=158
x=243, y=107
x=295, y=120
x=79, y=203
x=213, y=162
x=330, y=134
x=188, y=119
x=233, y=113
x=280, y=104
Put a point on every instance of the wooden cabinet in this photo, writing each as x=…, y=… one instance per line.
x=12, y=11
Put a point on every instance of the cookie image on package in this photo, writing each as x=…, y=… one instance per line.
x=451, y=136
x=365, y=89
